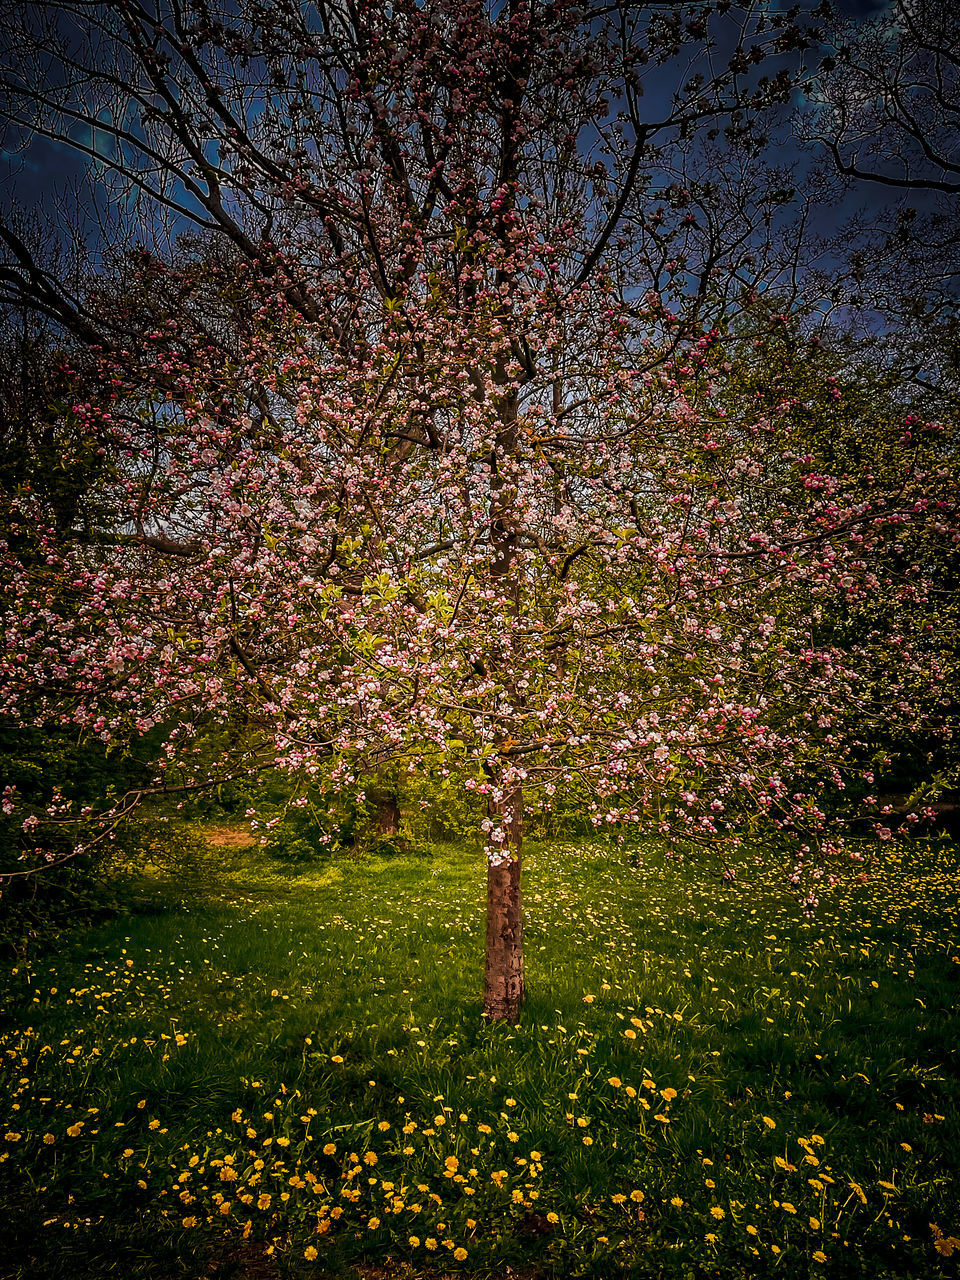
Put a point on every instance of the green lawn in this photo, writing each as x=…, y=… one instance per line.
x=261, y=1072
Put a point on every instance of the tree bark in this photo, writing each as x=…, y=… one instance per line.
x=388, y=814
x=503, y=977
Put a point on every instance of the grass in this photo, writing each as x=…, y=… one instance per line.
x=270, y=1072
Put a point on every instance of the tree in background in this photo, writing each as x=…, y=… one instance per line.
x=422, y=451
x=882, y=120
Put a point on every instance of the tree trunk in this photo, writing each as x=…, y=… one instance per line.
x=503, y=977
x=388, y=814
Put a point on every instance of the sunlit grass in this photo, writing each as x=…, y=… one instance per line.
x=290, y=1067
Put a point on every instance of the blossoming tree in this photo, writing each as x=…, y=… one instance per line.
x=427, y=448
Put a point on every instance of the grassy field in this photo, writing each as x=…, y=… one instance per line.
x=262, y=1072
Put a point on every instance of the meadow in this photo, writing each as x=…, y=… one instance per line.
x=259, y=1070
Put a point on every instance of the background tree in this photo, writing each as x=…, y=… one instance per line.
x=882, y=121
x=413, y=459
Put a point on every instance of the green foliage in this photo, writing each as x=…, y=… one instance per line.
x=706, y=1083
x=42, y=765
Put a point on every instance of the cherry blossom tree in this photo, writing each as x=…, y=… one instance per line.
x=423, y=450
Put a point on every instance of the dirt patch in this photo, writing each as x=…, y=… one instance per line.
x=243, y=1262
x=224, y=837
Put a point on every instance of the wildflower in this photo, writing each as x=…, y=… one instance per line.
x=716, y=1212
x=460, y=1254
x=615, y=1081
x=677, y=1202
x=819, y=1256
x=373, y=1223
x=771, y=1124
x=189, y=1222
x=310, y=1253
x=49, y=1139
x=414, y=1242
